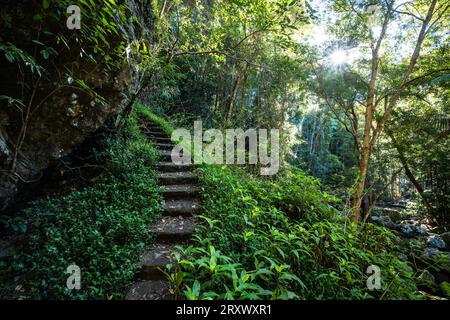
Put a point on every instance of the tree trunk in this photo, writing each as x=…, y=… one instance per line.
x=408, y=172
x=231, y=97
x=360, y=185
x=369, y=139
x=395, y=190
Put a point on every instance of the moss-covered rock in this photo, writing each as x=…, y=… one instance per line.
x=69, y=98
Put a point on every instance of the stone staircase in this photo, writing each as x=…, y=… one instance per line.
x=180, y=192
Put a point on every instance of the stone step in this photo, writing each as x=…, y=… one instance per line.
x=154, y=125
x=150, y=290
x=164, y=146
x=152, y=131
x=166, y=155
x=180, y=207
x=177, y=178
x=156, y=132
x=154, y=259
x=173, y=229
x=179, y=191
x=159, y=139
x=172, y=167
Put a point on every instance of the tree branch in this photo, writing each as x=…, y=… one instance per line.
x=412, y=63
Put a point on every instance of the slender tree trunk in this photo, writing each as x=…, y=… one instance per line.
x=395, y=191
x=368, y=118
x=369, y=138
x=366, y=145
x=239, y=77
x=408, y=172
x=375, y=199
x=232, y=96
x=23, y=129
x=360, y=184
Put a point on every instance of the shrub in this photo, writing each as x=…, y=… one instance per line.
x=249, y=248
x=145, y=111
x=101, y=228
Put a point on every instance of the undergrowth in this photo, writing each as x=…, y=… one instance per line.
x=166, y=126
x=282, y=240
x=102, y=228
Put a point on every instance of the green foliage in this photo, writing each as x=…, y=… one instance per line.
x=101, y=228
x=288, y=243
x=167, y=127
x=99, y=38
x=342, y=94
x=14, y=54
x=421, y=131
x=235, y=63
x=445, y=287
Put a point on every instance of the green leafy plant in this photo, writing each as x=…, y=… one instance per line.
x=101, y=228
x=286, y=244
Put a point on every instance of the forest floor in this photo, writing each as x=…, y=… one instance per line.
x=230, y=198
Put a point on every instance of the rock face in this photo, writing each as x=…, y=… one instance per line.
x=62, y=112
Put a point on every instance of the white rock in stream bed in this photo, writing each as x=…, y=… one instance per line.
x=422, y=230
x=436, y=242
x=406, y=230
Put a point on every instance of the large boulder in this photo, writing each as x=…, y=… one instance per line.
x=421, y=230
x=65, y=109
x=392, y=213
x=438, y=259
x=383, y=221
x=406, y=230
x=410, y=230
